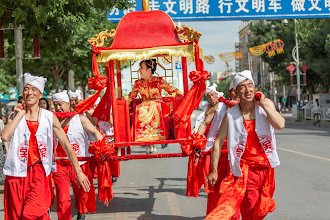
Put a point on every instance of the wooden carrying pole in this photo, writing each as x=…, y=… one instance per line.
x=145, y=5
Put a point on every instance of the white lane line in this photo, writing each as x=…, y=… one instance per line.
x=304, y=154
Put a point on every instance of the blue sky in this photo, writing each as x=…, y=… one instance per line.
x=218, y=37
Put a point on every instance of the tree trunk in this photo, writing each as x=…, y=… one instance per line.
x=58, y=73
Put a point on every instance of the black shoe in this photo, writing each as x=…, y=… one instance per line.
x=114, y=179
x=81, y=216
x=164, y=146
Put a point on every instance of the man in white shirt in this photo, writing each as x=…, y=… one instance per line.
x=29, y=158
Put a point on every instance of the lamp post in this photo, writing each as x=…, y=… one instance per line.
x=295, y=55
x=297, y=62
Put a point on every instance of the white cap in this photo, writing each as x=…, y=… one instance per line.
x=61, y=97
x=76, y=94
x=213, y=88
x=36, y=81
x=231, y=86
x=237, y=78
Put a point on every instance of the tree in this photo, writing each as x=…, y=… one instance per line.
x=63, y=27
x=314, y=48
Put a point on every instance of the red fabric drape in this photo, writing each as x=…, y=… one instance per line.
x=196, y=176
x=192, y=99
x=103, y=110
x=233, y=191
x=227, y=102
x=65, y=114
x=101, y=150
x=98, y=82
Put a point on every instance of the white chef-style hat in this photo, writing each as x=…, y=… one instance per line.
x=61, y=97
x=237, y=78
x=76, y=94
x=213, y=88
x=36, y=81
x=231, y=86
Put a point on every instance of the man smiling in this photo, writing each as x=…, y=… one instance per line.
x=252, y=154
x=30, y=154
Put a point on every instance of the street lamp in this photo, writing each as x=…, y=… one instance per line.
x=296, y=58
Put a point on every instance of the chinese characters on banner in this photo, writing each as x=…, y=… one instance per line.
x=187, y=10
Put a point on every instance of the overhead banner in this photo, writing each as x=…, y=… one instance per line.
x=194, y=10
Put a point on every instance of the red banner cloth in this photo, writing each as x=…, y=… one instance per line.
x=233, y=191
x=196, y=175
x=101, y=150
x=98, y=82
x=192, y=99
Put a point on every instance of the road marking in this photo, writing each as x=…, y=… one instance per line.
x=304, y=154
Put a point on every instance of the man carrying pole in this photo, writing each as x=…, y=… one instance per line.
x=249, y=127
x=76, y=128
x=30, y=155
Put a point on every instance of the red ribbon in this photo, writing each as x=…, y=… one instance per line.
x=101, y=151
x=199, y=76
x=192, y=99
x=97, y=82
x=196, y=176
x=227, y=102
x=65, y=114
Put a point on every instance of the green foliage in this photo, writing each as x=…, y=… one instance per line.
x=314, y=48
x=223, y=86
x=64, y=26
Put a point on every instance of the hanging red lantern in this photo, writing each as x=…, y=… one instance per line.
x=304, y=69
x=291, y=68
x=36, y=47
x=220, y=79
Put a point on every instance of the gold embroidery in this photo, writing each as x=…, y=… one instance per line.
x=149, y=114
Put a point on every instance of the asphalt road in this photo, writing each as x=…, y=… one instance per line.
x=155, y=188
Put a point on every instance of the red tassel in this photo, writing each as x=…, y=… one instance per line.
x=34, y=48
x=291, y=79
x=38, y=47
x=305, y=79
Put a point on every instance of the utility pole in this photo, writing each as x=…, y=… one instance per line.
x=19, y=59
x=297, y=61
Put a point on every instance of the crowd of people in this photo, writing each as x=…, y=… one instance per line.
x=240, y=145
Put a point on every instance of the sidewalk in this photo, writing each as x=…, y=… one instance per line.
x=292, y=122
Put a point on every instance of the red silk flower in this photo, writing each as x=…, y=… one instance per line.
x=257, y=96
